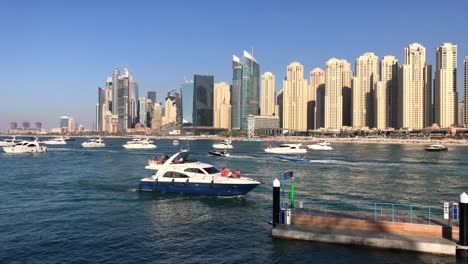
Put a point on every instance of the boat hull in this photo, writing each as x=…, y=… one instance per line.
x=437, y=150
x=132, y=146
x=291, y=158
x=278, y=151
x=221, y=146
x=93, y=145
x=20, y=150
x=317, y=147
x=206, y=189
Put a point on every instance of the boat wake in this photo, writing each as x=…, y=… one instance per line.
x=355, y=163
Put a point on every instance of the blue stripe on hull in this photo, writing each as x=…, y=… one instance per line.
x=216, y=189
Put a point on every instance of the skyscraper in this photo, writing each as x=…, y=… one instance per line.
x=187, y=103
x=317, y=95
x=445, y=90
x=335, y=73
x=385, y=103
x=156, y=121
x=203, y=100
x=279, y=105
x=124, y=99
x=415, y=89
x=465, y=67
x=267, y=107
x=245, y=89
x=152, y=96
x=142, y=111
x=170, y=111
x=295, y=97
x=365, y=79
x=222, y=106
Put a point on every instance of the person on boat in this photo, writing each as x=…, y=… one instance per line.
x=229, y=173
x=237, y=174
x=223, y=172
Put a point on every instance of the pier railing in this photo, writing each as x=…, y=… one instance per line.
x=373, y=211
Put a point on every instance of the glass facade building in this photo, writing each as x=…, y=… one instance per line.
x=142, y=111
x=245, y=94
x=203, y=100
x=152, y=96
x=187, y=103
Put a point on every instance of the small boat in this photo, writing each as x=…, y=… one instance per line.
x=55, y=141
x=225, y=144
x=178, y=174
x=219, y=153
x=292, y=158
x=26, y=147
x=69, y=139
x=436, y=147
x=139, y=144
x=320, y=146
x=286, y=149
x=8, y=142
x=175, y=142
x=93, y=143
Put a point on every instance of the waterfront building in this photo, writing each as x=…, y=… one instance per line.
x=156, y=122
x=279, y=105
x=111, y=122
x=445, y=90
x=142, y=111
x=460, y=111
x=415, y=89
x=187, y=103
x=13, y=125
x=295, y=97
x=364, y=82
x=152, y=96
x=245, y=89
x=347, y=95
x=149, y=112
x=262, y=122
x=170, y=111
x=335, y=74
x=316, y=104
x=385, y=100
x=203, y=100
x=222, y=106
x=71, y=125
x=64, y=123
x=465, y=71
x=124, y=99
x=267, y=107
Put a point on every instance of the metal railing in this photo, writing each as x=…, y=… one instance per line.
x=372, y=211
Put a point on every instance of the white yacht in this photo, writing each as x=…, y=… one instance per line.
x=139, y=144
x=175, y=142
x=93, y=143
x=8, y=142
x=436, y=148
x=286, y=149
x=55, y=141
x=225, y=144
x=178, y=174
x=26, y=147
x=320, y=146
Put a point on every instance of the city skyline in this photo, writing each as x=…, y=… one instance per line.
x=60, y=64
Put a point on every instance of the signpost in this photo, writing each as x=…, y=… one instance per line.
x=455, y=211
x=446, y=211
x=288, y=175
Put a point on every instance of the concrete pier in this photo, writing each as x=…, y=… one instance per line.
x=396, y=236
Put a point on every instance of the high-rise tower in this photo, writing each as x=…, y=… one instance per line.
x=295, y=97
x=335, y=74
x=365, y=79
x=317, y=97
x=267, y=108
x=222, y=106
x=445, y=90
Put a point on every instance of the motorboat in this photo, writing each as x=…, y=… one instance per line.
x=436, y=147
x=93, y=143
x=225, y=144
x=179, y=174
x=69, y=139
x=286, y=149
x=320, y=146
x=26, y=147
x=292, y=158
x=175, y=142
x=139, y=144
x=8, y=142
x=219, y=153
x=55, y=141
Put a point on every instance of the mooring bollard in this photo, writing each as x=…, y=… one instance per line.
x=276, y=202
x=463, y=222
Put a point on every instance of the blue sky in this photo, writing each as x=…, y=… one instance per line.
x=54, y=54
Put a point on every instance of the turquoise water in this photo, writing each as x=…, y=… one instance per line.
x=75, y=205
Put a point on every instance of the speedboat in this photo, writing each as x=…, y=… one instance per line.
x=286, y=149
x=26, y=147
x=225, y=144
x=175, y=142
x=8, y=142
x=93, y=143
x=139, y=144
x=219, y=153
x=178, y=174
x=292, y=158
x=320, y=146
x=436, y=147
x=55, y=141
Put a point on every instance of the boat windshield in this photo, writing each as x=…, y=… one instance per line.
x=211, y=170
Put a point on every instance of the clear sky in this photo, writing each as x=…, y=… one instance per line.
x=54, y=54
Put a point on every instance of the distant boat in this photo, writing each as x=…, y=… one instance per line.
x=55, y=141
x=93, y=143
x=292, y=158
x=8, y=142
x=286, y=149
x=320, y=146
x=139, y=144
x=26, y=147
x=219, y=153
x=175, y=142
x=225, y=144
x=436, y=148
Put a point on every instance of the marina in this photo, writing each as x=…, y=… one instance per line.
x=95, y=191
